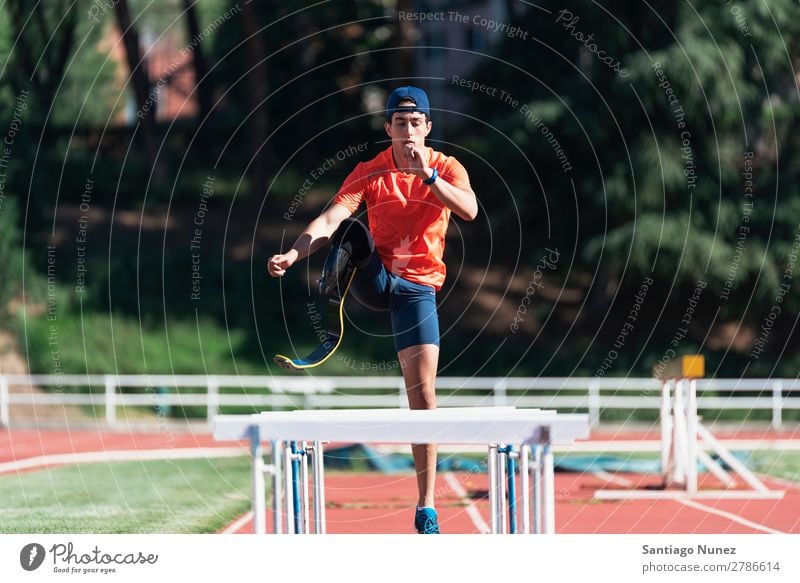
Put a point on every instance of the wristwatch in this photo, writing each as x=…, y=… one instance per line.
x=433, y=177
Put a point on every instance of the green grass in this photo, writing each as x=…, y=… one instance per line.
x=780, y=464
x=101, y=343
x=75, y=341
x=171, y=497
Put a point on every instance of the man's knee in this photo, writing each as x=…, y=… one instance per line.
x=421, y=398
x=351, y=248
x=356, y=236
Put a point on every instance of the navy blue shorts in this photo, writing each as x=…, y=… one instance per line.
x=412, y=306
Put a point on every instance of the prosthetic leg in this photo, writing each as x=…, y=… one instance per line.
x=351, y=249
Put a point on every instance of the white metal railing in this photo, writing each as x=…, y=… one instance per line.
x=590, y=394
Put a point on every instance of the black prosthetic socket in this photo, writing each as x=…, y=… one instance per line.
x=336, y=272
x=351, y=249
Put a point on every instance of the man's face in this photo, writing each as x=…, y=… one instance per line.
x=408, y=128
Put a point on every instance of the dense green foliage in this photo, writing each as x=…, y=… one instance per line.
x=652, y=146
x=683, y=167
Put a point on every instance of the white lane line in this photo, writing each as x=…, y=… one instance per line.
x=778, y=480
x=651, y=445
x=611, y=478
x=239, y=523
x=728, y=515
x=120, y=456
x=471, y=509
x=619, y=445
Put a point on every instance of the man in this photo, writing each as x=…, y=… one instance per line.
x=410, y=191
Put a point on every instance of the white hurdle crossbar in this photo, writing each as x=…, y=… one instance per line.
x=533, y=431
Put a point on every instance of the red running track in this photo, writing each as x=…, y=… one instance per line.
x=20, y=444
x=381, y=504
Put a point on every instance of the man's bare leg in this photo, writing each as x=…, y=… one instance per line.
x=419, y=365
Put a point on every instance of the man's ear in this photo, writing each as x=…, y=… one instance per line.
x=430, y=126
x=387, y=126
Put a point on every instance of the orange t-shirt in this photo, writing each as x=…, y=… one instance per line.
x=407, y=221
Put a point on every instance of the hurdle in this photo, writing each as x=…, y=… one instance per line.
x=685, y=441
x=509, y=433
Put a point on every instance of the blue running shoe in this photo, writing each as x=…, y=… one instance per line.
x=426, y=521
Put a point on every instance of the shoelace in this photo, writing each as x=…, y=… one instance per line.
x=431, y=525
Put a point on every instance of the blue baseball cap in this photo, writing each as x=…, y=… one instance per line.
x=408, y=93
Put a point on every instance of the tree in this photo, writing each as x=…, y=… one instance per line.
x=401, y=62
x=43, y=39
x=315, y=63
x=660, y=157
x=204, y=86
x=140, y=80
x=257, y=84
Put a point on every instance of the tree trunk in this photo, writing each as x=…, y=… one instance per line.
x=42, y=48
x=204, y=87
x=401, y=59
x=257, y=84
x=140, y=77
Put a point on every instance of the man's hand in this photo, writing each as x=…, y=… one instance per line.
x=314, y=236
x=417, y=160
x=278, y=264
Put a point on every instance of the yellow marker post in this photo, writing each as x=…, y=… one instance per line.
x=685, y=367
x=693, y=367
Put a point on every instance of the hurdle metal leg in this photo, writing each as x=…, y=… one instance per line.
x=288, y=499
x=493, y=514
x=304, y=478
x=276, y=487
x=297, y=503
x=666, y=431
x=524, y=479
x=257, y=480
x=512, y=490
x=679, y=434
x=691, y=431
x=548, y=487
x=318, y=485
x=537, y=489
x=502, y=461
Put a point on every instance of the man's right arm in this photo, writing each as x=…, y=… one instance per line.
x=315, y=235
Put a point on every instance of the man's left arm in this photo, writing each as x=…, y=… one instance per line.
x=461, y=201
